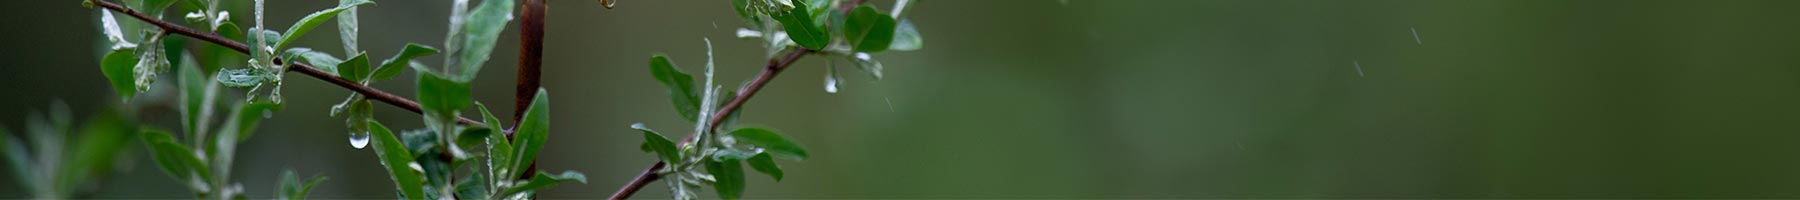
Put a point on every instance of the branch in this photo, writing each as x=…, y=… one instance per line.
x=531, y=61
x=303, y=68
x=762, y=79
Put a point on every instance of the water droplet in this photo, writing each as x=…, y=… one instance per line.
x=415, y=166
x=267, y=114
x=359, y=139
x=831, y=79
x=1358, y=64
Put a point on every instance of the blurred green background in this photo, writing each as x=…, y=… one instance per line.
x=1095, y=99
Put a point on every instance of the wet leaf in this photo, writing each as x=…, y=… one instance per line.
x=769, y=141
x=682, y=92
x=399, y=162
x=765, y=164
x=306, y=24
x=728, y=178
x=118, y=67
x=802, y=27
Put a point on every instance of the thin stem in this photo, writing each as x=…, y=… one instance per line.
x=762, y=79
x=531, y=55
x=303, y=68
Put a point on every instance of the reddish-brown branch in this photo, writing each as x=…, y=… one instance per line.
x=302, y=68
x=531, y=55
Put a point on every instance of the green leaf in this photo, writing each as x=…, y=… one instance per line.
x=544, y=180
x=471, y=187
x=763, y=163
x=472, y=136
x=356, y=69
x=399, y=162
x=769, y=141
x=250, y=38
x=802, y=28
x=729, y=178
x=292, y=188
x=442, y=95
x=347, y=24
x=154, y=7
x=531, y=132
x=657, y=143
x=242, y=77
x=250, y=114
x=118, y=67
x=180, y=162
x=681, y=86
x=196, y=91
x=324, y=62
x=499, y=149
x=394, y=65
x=307, y=23
x=483, y=29
x=906, y=38
x=869, y=30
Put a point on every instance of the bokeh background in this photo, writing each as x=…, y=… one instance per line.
x=1095, y=99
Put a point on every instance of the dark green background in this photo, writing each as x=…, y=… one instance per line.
x=1098, y=99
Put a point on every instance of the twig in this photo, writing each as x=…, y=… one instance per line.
x=774, y=68
x=303, y=68
x=531, y=55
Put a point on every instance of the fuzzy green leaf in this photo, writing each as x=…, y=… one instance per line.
x=399, y=162
x=482, y=30
x=356, y=69
x=681, y=86
x=118, y=66
x=442, y=95
x=196, y=91
x=769, y=141
x=802, y=28
x=765, y=164
x=179, y=161
x=655, y=142
x=292, y=188
x=906, y=37
x=499, y=149
x=324, y=61
x=869, y=30
x=545, y=180
x=307, y=23
x=348, y=25
x=242, y=77
x=472, y=136
x=728, y=176
x=532, y=131
x=471, y=187
x=394, y=65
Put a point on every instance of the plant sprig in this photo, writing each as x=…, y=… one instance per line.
x=799, y=27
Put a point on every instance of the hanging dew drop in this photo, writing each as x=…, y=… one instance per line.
x=267, y=115
x=359, y=139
